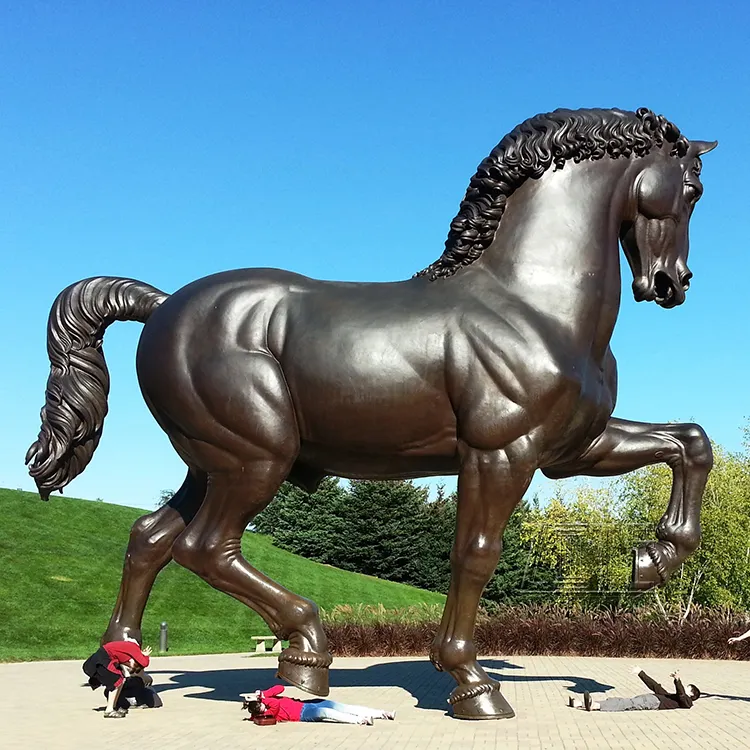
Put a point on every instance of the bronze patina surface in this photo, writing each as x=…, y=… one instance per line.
x=490, y=364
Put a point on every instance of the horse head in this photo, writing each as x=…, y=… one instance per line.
x=654, y=234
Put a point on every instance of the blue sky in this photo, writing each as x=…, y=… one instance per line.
x=168, y=140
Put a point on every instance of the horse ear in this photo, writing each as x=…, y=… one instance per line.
x=703, y=147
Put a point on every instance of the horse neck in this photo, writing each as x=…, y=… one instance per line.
x=557, y=249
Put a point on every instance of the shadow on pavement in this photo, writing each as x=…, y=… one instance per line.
x=420, y=679
x=726, y=697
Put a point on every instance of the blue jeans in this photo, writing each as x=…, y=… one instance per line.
x=646, y=702
x=342, y=713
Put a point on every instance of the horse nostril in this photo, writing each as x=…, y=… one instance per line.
x=685, y=280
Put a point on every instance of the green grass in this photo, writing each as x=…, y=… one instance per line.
x=60, y=566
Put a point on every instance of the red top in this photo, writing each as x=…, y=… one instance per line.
x=121, y=652
x=283, y=709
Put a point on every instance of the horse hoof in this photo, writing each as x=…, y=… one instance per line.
x=305, y=670
x=645, y=573
x=482, y=701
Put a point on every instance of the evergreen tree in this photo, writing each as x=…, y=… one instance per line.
x=303, y=523
x=435, y=564
x=383, y=528
x=390, y=529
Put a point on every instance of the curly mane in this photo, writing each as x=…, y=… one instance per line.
x=528, y=151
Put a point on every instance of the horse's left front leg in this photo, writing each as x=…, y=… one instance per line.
x=625, y=446
x=490, y=485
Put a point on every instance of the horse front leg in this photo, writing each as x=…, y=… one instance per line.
x=625, y=446
x=490, y=485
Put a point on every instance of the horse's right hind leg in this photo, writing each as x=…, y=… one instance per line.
x=211, y=548
x=149, y=550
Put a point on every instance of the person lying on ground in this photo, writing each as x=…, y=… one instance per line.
x=739, y=638
x=110, y=666
x=267, y=702
x=658, y=700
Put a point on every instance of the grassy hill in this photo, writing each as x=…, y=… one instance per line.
x=60, y=566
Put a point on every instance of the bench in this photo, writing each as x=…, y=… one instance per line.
x=260, y=644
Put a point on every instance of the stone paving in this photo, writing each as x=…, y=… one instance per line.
x=44, y=705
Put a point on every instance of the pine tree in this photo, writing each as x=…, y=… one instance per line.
x=383, y=530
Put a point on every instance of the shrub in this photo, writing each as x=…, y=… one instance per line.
x=547, y=630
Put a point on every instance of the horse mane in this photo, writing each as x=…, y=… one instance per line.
x=528, y=151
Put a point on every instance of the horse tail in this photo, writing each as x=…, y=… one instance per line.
x=78, y=384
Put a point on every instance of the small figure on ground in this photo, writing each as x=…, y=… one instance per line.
x=658, y=700
x=739, y=638
x=266, y=703
x=111, y=666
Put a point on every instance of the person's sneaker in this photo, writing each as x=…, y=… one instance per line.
x=366, y=720
x=118, y=713
x=390, y=715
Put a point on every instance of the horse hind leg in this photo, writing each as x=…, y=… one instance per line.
x=211, y=548
x=149, y=550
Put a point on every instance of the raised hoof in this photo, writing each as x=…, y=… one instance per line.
x=645, y=572
x=310, y=677
x=477, y=702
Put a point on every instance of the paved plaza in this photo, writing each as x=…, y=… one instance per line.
x=44, y=705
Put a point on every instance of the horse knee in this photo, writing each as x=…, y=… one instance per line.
x=477, y=559
x=697, y=446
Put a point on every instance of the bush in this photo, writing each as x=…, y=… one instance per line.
x=549, y=630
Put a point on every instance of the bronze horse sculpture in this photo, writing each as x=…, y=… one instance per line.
x=491, y=363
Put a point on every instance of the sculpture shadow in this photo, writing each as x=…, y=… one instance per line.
x=420, y=679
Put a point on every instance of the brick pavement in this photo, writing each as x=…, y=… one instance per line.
x=201, y=707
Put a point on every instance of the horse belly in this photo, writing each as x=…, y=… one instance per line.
x=355, y=409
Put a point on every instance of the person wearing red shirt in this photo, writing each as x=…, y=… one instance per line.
x=110, y=666
x=268, y=702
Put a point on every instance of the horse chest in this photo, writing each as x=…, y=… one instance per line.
x=586, y=411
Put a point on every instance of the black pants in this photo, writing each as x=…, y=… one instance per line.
x=95, y=668
x=135, y=693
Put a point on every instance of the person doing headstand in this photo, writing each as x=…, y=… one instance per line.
x=267, y=702
x=657, y=700
x=110, y=666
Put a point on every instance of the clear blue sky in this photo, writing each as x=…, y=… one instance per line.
x=168, y=140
